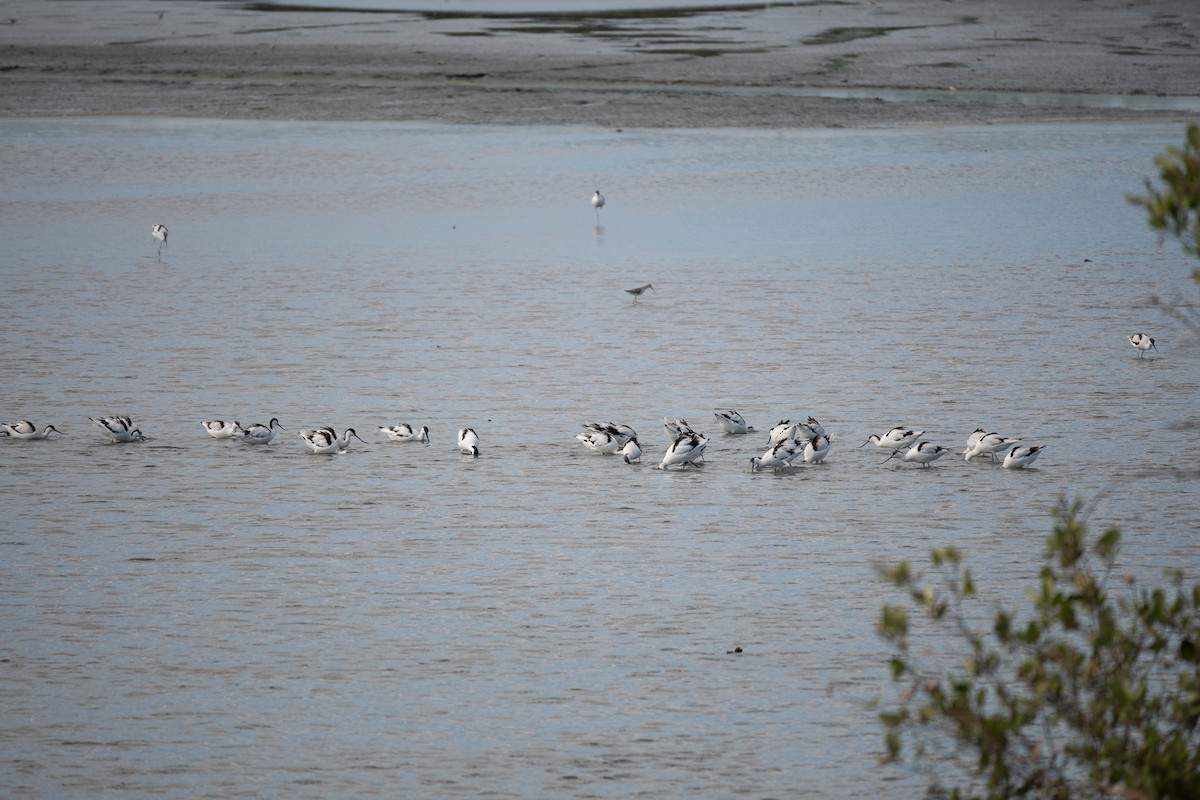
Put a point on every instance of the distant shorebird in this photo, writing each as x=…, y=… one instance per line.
x=321, y=440
x=325, y=440
x=816, y=449
x=159, y=232
x=219, y=429
x=632, y=451
x=781, y=431
x=921, y=453
x=119, y=429
x=602, y=442
x=260, y=434
x=986, y=444
x=1141, y=342
x=622, y=433
x=779, y=455
x=896, y=438
x=684, y=451
x=468, y=442
x=676, y=427
x=597, y=203
x=731, y=421
x=27, y=430
x=637, y=291
x=344, y=442
x=405, y=433
x=1021, y=457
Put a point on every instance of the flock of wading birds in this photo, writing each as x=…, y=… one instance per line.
x=788, y=442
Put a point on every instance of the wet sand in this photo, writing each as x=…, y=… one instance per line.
x=852, y=64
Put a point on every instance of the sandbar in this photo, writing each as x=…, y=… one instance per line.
x=857, y=63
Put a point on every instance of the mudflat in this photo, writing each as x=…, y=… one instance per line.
x=807, y=64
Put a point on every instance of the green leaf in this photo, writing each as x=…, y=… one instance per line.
x=894, y=622
x=1109, y=544
x=893, y=745
x=1003, y=626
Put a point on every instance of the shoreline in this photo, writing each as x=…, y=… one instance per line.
x=802, y=66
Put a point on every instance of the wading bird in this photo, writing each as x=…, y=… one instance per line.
x=468, y=442
x=731, y=421
x=27, y=430
x=922, y=454
x=1021, y=457
x=684, y=450
x=159, y=232
x=637, y=291
x=219, y=429
x=779, y=455
x=1141, y=342
x=325, y=440
x=405, y=433
x=119, y=429
x=896, y=439
x=259, y=433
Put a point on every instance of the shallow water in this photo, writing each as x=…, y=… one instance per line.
x=192, y=617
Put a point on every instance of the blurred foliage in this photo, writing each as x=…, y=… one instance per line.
x=1173, y=207
x=1095, y=695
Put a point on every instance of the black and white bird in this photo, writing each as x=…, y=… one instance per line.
x=118, y=429
x=326, y=440
x=980, y=443
x=259, y=433
x=220, y=429
x=602, y=442
x=922, y=453
x=895, y=439
x=777, y=456
x=816, y=448
x=159, y=232
x=468, y=442
x=731, y=421
x=623, y=433
x=1141, y=342
x=676, y=427
x=27, y=430
x=1021, y=457
x=685, y=450
x=405, y=433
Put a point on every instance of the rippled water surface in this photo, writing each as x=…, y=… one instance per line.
x=188, y=617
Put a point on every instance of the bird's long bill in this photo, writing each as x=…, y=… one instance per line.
x=356, y=436
x=864, y=444
x=889, y=458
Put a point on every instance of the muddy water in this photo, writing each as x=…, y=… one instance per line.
x=198, y=618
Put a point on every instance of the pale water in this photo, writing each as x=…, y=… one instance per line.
x=189, y=617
